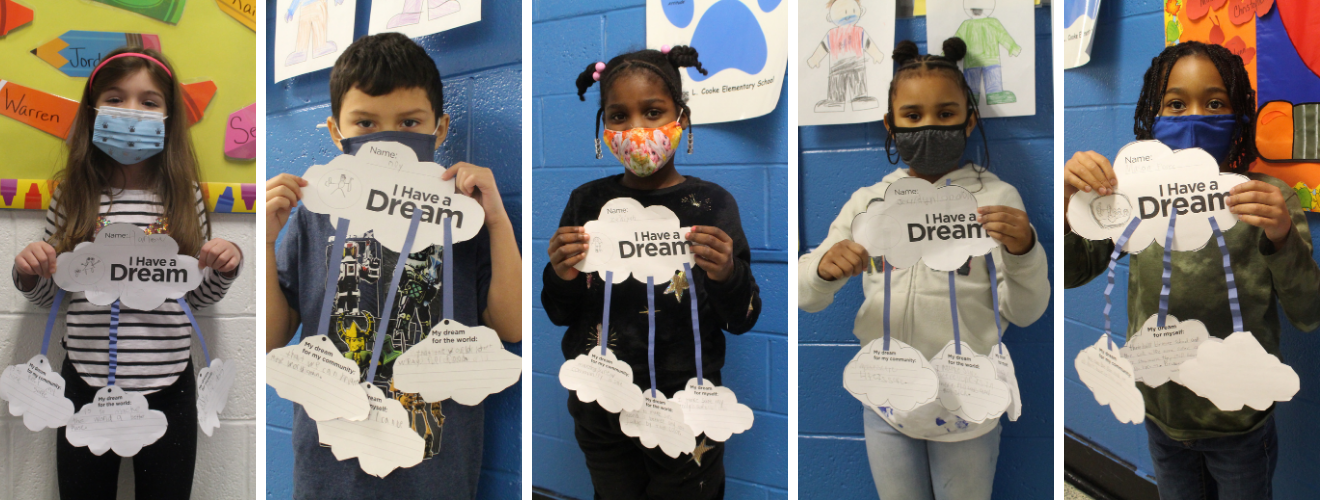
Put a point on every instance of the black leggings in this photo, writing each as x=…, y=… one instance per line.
x=161, y=471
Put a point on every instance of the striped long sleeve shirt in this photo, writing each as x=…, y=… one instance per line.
x=153, y=346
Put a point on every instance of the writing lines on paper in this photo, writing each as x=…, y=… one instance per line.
x=315, y=375
x=1111, y=380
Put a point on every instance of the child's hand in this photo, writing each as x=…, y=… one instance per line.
x=1009, y=226
x=36, y=260
x=1261, y=204
x=282, y=194
x=846, y=258
x=221, y=255
x=713, y=249
x=479, y=183
x=567, y=248
x=1088, y=171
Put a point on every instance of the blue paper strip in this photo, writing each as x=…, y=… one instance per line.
x=1167, y=275
x=994, y=296
x=191, y=319
x=604, y=335
x=332, y=275
x=114, y=342
x=1113, y=261
x=448, y=270
x=650, y=333
x=885, y=263
x=1228, y=275
x=50, y=320
x=953, y=308
x=696, y=322
x=383, y=326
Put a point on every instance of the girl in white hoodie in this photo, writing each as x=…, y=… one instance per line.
x=930, y=453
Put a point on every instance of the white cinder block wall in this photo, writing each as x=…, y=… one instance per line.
x=225, y=461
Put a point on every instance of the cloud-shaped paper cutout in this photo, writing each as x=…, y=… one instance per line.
x=36, y=393
x=919, y=221
x=659, y=422
x=1152, y=181
x=969, y=385
x=713, y=410
x=1111, y=380
x=116, y=420
x=1157, y=353
x=1007, y=374
x=466, y=363
x=315, y=375
x=382, y=442
x=1237, y=372
x=899, y=378
x=630, y=239
x=379, y=188
x=213, y=384
x=125, y=263
x=603, y=379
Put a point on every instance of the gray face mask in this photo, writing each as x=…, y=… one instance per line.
x=930, y=150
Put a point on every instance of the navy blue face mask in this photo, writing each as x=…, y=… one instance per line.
x=1213, y=133
x=422, y=144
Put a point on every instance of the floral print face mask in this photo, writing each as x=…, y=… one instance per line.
x=644, y=150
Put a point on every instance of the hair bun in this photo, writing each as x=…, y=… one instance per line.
x=905, y=52
x=955, y=49
x=585, y=80
x=682, y=56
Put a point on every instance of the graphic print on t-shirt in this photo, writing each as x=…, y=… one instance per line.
x=356, y=315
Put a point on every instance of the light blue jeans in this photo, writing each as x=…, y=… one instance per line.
x=916, y=469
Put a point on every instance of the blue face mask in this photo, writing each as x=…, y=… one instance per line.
x=1213, y=133
x=422, y=144
x=846, y=20
x=128, y=135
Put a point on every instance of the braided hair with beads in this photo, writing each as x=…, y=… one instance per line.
x=1236, y=81
x=664, y=63
x=911, y=62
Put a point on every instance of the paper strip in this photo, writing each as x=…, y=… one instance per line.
x=603, y=335
x=650, y=333
x=696, y=322
x=1167, y=274
x=114, y=342
x=953, y=309
x=384, y=324
x=332, y=277
x=1233, y=305
x=1113, y=261
x=448, y=276
x=183, y=302
x=50, y=320
x=885, y=264
x=994, y=297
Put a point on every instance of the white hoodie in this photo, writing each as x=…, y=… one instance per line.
x=919, y=308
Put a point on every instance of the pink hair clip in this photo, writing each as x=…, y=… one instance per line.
x=600, y=66
x=664, y=49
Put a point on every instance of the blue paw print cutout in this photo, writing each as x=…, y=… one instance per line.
x=728, y=36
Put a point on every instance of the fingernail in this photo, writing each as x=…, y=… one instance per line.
x=1086, y=188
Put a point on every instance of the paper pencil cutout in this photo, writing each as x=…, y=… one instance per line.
x=196, y=97
x=76, y=53
x=241, y=134
x=163, y=10
x=47, y=112
x=245, y=11
x=13, y=15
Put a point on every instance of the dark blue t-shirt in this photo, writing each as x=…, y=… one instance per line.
x=453, y=432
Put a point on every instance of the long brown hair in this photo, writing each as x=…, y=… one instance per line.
x=172, y=174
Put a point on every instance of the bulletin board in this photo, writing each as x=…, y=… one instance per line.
x=205, y=44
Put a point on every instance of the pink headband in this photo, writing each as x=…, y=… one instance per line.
x=128, y=54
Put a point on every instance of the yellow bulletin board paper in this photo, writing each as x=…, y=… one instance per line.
x=206, y=44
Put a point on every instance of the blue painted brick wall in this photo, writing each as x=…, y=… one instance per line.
x=749, y=158
x=837, y=160
x=481, y=65
x=1100, y=101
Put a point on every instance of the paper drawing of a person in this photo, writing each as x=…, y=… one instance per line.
x=847, y=45
x=313, y=16
x=984, y=35
x=412, y=12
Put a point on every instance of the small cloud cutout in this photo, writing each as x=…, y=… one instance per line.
x=659, y=422
x=630, y=239
x=116, y=420
x=213, y=384
x=603, y=379
x=1154, y=180
x=36, y=393
x=1110, y=379
x=381, y=186
x=713, y=410
x=899, y=378
x=1007, y=374
x=465, y=363
x=382, y=442
x=1157, y=353
x=919, y=221
x=1237, y=372
x=315, y=375
x=969, y=385
x=125, y=263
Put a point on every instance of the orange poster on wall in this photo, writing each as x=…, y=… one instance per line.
x=48, y=112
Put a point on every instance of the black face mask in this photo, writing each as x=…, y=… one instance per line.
x=422, y=144
x=929, y=150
